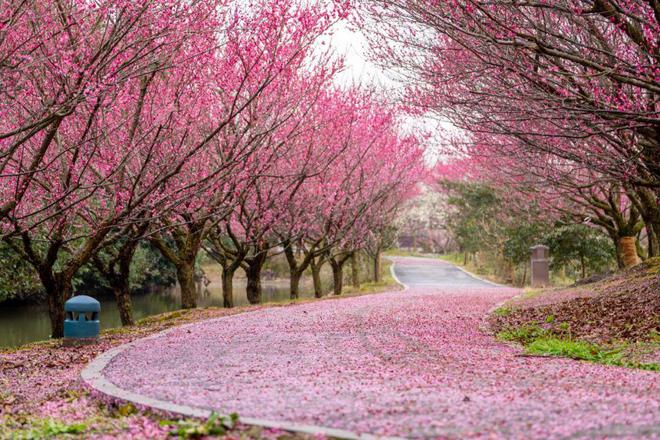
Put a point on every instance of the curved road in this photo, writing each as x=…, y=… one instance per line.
x=414, y=363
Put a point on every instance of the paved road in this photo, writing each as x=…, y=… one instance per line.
x=414, y=363
x=419, y=273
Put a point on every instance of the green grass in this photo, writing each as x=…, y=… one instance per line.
x=525, y=334
x=48, y=428
x=570, y=349
x=215, y=425
x=502, y=311
x=454, y=258
x=541, y=342
x=386, y=282
x=587, y=352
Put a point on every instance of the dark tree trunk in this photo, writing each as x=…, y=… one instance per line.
x=121, y=285
x=524, y=277
x=228, y=287
x=188, y=242
x=316, y=277
x=650, y=211
x=652, y=237
x=377, y=276
x=584, y=266
x=337, y=277
x=253, y=274
x=59, y=289
x=296, y=271
x=123, y=299
x=355, y=270
x=295, y=284
x=185, y=273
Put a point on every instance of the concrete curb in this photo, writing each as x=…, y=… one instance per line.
x=479, y=278
x=405, y=286
x=92, y=376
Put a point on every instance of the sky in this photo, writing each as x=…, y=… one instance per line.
x=353, y=45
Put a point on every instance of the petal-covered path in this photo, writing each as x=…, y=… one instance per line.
x=413, y=363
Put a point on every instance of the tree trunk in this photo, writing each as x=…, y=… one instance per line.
x=316, y=277
x=185, y=273
x=123, y=298
x=337, y=278
x=617, y=251
x=59, y=289
x=294, y=277
x=355, y=270
x=377, y=277
x=584, y=268
x=253, y=274
x=228, y=287
x=650, y=211
x=465, y=258
x=628, y=251
x=524, y=277
x=121, y=284
x=652, y=237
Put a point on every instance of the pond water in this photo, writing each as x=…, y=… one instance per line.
x=28, y=323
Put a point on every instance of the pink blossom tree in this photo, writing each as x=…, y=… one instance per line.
x=269, y=59
x=573, y=81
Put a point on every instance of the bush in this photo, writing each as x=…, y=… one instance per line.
x=18, y=280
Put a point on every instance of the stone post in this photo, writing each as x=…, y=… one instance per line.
x=540, y=265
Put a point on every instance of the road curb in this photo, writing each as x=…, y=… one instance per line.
x=478, y=277
x=92, y=376
x=393, y=273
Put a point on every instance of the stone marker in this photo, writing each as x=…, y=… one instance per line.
x=540, y=265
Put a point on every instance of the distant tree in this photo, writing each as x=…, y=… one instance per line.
x=475, y=206
x=592, y=250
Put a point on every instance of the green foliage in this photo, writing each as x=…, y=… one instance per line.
x=126, y=410
x=148, y=268
x=564, y=348
x=502, y=311
x=524, y=334
x=587, y=352
x=475, y=206
x=520, y=237
x=214, y=426
x=18, y=280
x=542, y=342
x=580, y=247
x=480, y=222
x=48, y=428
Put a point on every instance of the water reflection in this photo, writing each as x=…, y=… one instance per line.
x=28, y=323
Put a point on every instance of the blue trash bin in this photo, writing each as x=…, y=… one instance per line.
x=81, y=323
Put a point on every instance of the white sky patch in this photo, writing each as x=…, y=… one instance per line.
x=344, y=40
x=353, y=46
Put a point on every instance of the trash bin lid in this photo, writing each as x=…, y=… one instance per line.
x=82, y=303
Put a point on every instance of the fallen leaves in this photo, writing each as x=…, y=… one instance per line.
x=395, y=364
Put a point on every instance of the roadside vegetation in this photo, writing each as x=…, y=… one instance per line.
x=612, y=321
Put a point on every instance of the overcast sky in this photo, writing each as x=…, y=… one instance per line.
x=359, y=70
